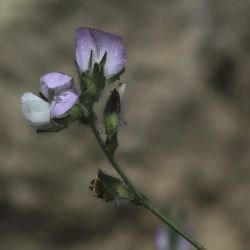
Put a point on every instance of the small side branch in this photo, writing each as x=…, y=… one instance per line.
x=140, y=197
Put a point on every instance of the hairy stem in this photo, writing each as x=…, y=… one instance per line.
x=142, y=200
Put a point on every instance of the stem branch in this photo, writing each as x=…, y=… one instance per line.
x=141, y=198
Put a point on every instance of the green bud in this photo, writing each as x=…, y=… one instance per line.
x=112, y=122
x=112, y=114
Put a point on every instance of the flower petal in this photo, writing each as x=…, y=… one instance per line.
x=116, y=53
x=35, y=110
x=84, y=44
x=53, y=83
x=161, y=239
x=100, y=42
x=62, y=103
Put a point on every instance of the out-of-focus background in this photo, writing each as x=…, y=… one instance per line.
x=187, y=142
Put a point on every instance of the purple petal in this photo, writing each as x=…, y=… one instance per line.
x=116, y=53
x=161, y=239
x=100, y=42
x=63, y=103
x=84, y=44
x=53, y=83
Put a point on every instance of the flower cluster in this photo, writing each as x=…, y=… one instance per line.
x=100, y=59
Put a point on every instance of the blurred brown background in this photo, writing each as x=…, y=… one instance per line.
x=187, y=140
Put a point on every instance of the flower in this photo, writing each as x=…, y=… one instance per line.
x=100, y=42
x=161, y=240
x=164, y=241
x=61, y=96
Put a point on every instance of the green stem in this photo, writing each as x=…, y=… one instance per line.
x=114, y=163
x=140, y=197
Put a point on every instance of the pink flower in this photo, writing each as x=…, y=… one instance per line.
x=61, y=96
x=100, y=42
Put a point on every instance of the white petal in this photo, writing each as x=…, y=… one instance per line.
x=35, y=110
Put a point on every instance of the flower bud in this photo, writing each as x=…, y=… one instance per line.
x=112, y=113
x=112, y=122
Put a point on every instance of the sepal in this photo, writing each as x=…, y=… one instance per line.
x=58, y=124
x=111, y=144
x=110, y=189
x=115, y=77
x=92, y=82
